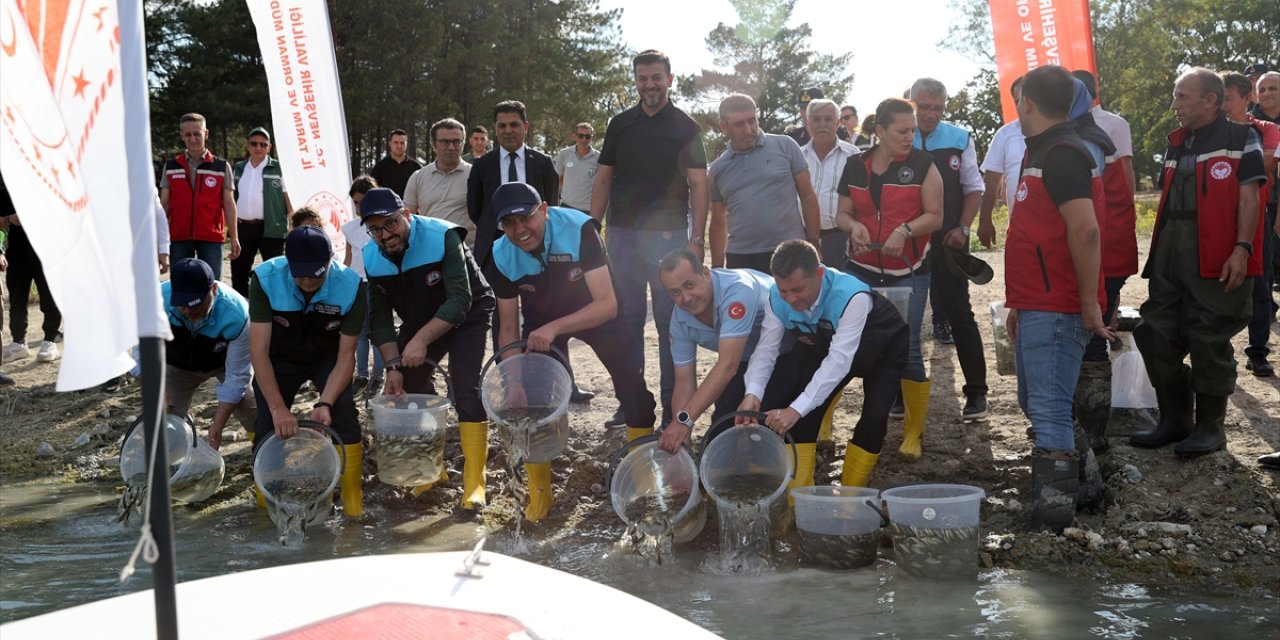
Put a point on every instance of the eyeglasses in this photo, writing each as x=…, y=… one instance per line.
x=848, y=116
x=446, y=142
x=256, y=144
x=583, y=136
x=393, y=223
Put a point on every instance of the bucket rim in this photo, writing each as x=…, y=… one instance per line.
x=312, y=433
x=964, y=493
x=787, y=475
x=379, y=402
x=814, y=493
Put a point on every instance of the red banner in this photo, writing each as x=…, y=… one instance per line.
x=1034, y=33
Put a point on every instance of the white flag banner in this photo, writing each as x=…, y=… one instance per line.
x=306, y=107
x=61, y=152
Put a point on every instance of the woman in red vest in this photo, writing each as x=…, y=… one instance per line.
x=894, y=202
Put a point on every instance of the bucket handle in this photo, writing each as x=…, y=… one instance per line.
x=760, y=416
x=314, y=426
x=170, y=410
x=884, y=517
x=621, y=453
x=444, y=373
x=512, y=345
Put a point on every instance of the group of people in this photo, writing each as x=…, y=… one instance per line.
x=807, y=232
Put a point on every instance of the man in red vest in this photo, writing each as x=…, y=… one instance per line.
x=197, y=191
x=1053, y=285
x=1202, y=255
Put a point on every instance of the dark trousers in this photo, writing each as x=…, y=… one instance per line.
x=25, y=268
x=1187, y=314
x=252, y=242
x=289, y=378
x=464, y=344
x=609, y=343
x=757, y=261
x=834, y=246
x=950, y=298
x=1096, y=350
x=879, y=363
x=208, y=252
x=1263, y=309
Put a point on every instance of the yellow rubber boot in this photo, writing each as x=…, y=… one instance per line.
x=804, y=468
x=423, y=488
x=475, y=454
x=638, y=432
x=824, y=430
x=539, y=491
x=350, y=483
x=258, y=496
x=857, y=466
x=915, y=398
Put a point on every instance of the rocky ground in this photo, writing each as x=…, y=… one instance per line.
x=1205, y=523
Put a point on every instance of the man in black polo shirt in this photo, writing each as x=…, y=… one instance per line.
x=653, y=170
x=394, y=169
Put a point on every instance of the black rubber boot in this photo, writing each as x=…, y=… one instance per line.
x=1209, y=434
x=1093, y=403
x=1091, y=491
x=1055, y=481
x=1270, y=461
x=1176, y=417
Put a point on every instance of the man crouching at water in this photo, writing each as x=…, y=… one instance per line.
x=838, y=329
x=305, y=315
x=721, y=310
x=210, y=325
x=551, y=264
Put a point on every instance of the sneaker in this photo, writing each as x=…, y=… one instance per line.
x=16, y=351
x=112, y=385
x=48, y=352
x=975, y=407
x=578, y=396
x=1259, y=367
x=942, y=333
x=616, y=421
x=898, y=411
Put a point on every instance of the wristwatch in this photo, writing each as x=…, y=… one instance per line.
x=965, y=230
x=684, y=418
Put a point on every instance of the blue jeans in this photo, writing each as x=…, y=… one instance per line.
x=209, y=252
x=634, y=256
x=364, y=346
x=1049, y=349
x=919, y=284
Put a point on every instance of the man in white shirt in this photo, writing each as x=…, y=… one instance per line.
x=262, y=208
x=439, y=190
x=1003, y=163
x=827, y=154
x=576, y=165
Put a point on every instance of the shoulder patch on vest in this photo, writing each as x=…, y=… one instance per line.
x=1221, y=170
x=905, y=174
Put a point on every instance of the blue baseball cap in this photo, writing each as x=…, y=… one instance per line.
x=379, y=202
x=190, y=281
x=308, y=251
x=515, y=199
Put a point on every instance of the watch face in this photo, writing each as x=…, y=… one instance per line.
x=684, y=418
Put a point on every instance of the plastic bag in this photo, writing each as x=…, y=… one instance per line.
x=1130, y=386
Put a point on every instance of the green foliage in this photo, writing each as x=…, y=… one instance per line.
x=767, y=60
x=402, y=64
x=977, y=106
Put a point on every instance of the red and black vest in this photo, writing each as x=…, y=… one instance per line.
x=196, y=214
x=1218, y=148
x=1039, y=272
x=900, y=201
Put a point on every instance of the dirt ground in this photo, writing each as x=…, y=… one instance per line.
x=1206, y=523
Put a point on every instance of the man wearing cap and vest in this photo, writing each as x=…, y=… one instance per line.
x=197, y=194
x=718, y=309
x=821, y=329
x=962, y=187
x=550, y=264
x=262, y=208
x=421, y=269
x=1053, y=285
x=210, y=325
x=305, y=316
x=1202, y=256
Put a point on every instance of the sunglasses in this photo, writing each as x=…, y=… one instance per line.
x=256, y=144
x=583, y=136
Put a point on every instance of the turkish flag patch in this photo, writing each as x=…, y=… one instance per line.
x=737, y=310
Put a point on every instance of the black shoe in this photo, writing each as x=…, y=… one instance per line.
x=942, y=333
x=1270, y=461
x=618, y=420
x=580, y=397
x=898, y=411
x=6, y=381
x=1209, y=434
x=975, y=406
x=112, y=385
x=1260, y=367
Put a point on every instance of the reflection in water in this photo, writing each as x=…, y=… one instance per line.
x=72, y=552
